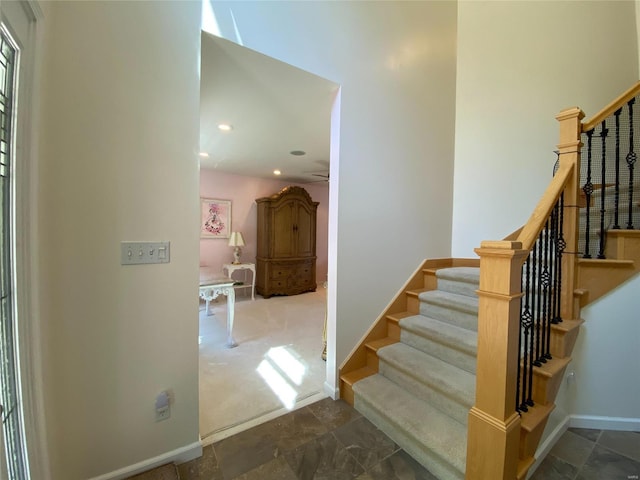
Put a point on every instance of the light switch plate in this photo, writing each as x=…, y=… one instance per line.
x=138, y=253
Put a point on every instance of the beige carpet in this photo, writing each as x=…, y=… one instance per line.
x=276, y=365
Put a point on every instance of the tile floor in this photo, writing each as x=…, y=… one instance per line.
x=329, y=440
x=585, y=454
x=326, y=440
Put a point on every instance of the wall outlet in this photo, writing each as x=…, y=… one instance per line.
x=163, y=406
x=163, y=413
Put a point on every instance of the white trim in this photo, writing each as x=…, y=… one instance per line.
x=26, y=251
x=605, y=423
x=582, y=421
x=331, y=391
x=34, y=9
x=177, y=456
x=241, y=427
x=545, y=447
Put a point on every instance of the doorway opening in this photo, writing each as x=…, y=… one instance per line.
x=277, y=117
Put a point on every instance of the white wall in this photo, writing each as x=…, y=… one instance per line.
x=395, y=62
x=605, y=359
x=118, y=161
x=519, y=64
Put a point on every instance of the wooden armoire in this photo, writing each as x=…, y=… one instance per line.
x=286, y=250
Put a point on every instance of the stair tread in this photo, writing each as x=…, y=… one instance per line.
x=453, y=336
x=552, y=366
x=455, y=383
x=416, y=292
x=536, y=414
x=424, y=424
x=604, y=262
x=356, y=375
x=397, y=317
x=376, y=345
x=446, y=299
x=567, y=325
x=460, y=274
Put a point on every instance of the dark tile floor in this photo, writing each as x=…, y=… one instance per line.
x=585, y=454
x=329, y=440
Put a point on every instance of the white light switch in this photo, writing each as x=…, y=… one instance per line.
x=137, y=253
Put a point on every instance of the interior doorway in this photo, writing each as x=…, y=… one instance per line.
x=277, y=117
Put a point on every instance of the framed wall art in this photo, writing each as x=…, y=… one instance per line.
x=215, y=218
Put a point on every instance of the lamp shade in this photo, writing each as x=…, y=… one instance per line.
x=236, y=240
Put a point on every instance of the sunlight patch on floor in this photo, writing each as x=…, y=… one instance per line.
x=279, y=369
x=288, y=363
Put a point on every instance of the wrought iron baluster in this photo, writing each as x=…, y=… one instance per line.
x=616, y=208
x=532, y=331
x=554, y=266
x=539, y=297
x=526, y=321
x=588, y=190
x=546, y=303
x=631, y=160
x=603, y=170
x=560, y=246
x=550, y=292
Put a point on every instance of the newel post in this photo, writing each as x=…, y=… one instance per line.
x=569, y=146
x=494, y=424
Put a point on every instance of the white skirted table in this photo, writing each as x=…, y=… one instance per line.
x=213, y=284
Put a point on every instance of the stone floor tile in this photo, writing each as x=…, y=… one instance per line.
x=333, y=413
x=588, y=433
x=202, y=468
x=605, y=464
x=365, y=442
x=624, y=443
x=573, y=449
x=399, y=466
x=324, y=458
x=277, y=469
x=246, y=450
x=552, y=468
x=297, y=428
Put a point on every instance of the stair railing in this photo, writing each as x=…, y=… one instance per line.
x=527, y=281
x=609, y=156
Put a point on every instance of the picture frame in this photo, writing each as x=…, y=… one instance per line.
x=215, y=218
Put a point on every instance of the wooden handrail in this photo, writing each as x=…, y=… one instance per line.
x=538, y=218
x=611, y=108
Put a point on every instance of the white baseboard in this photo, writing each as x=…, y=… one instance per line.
x=582, y=421
x=545, y=447
x=177, y=456
x=259, y=420
x=331, y=391
x=605, y=423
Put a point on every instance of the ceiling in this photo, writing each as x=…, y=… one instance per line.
x=274, y=109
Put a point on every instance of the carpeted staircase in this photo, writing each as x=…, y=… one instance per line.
x=425, y=383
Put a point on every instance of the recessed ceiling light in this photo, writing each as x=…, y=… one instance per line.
x=277, y=172
x=298, y=153
x=204, y=154
x=225, y=127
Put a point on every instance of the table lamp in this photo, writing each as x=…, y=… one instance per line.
x=236, y=241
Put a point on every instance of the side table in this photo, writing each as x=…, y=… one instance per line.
x=229, y=268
